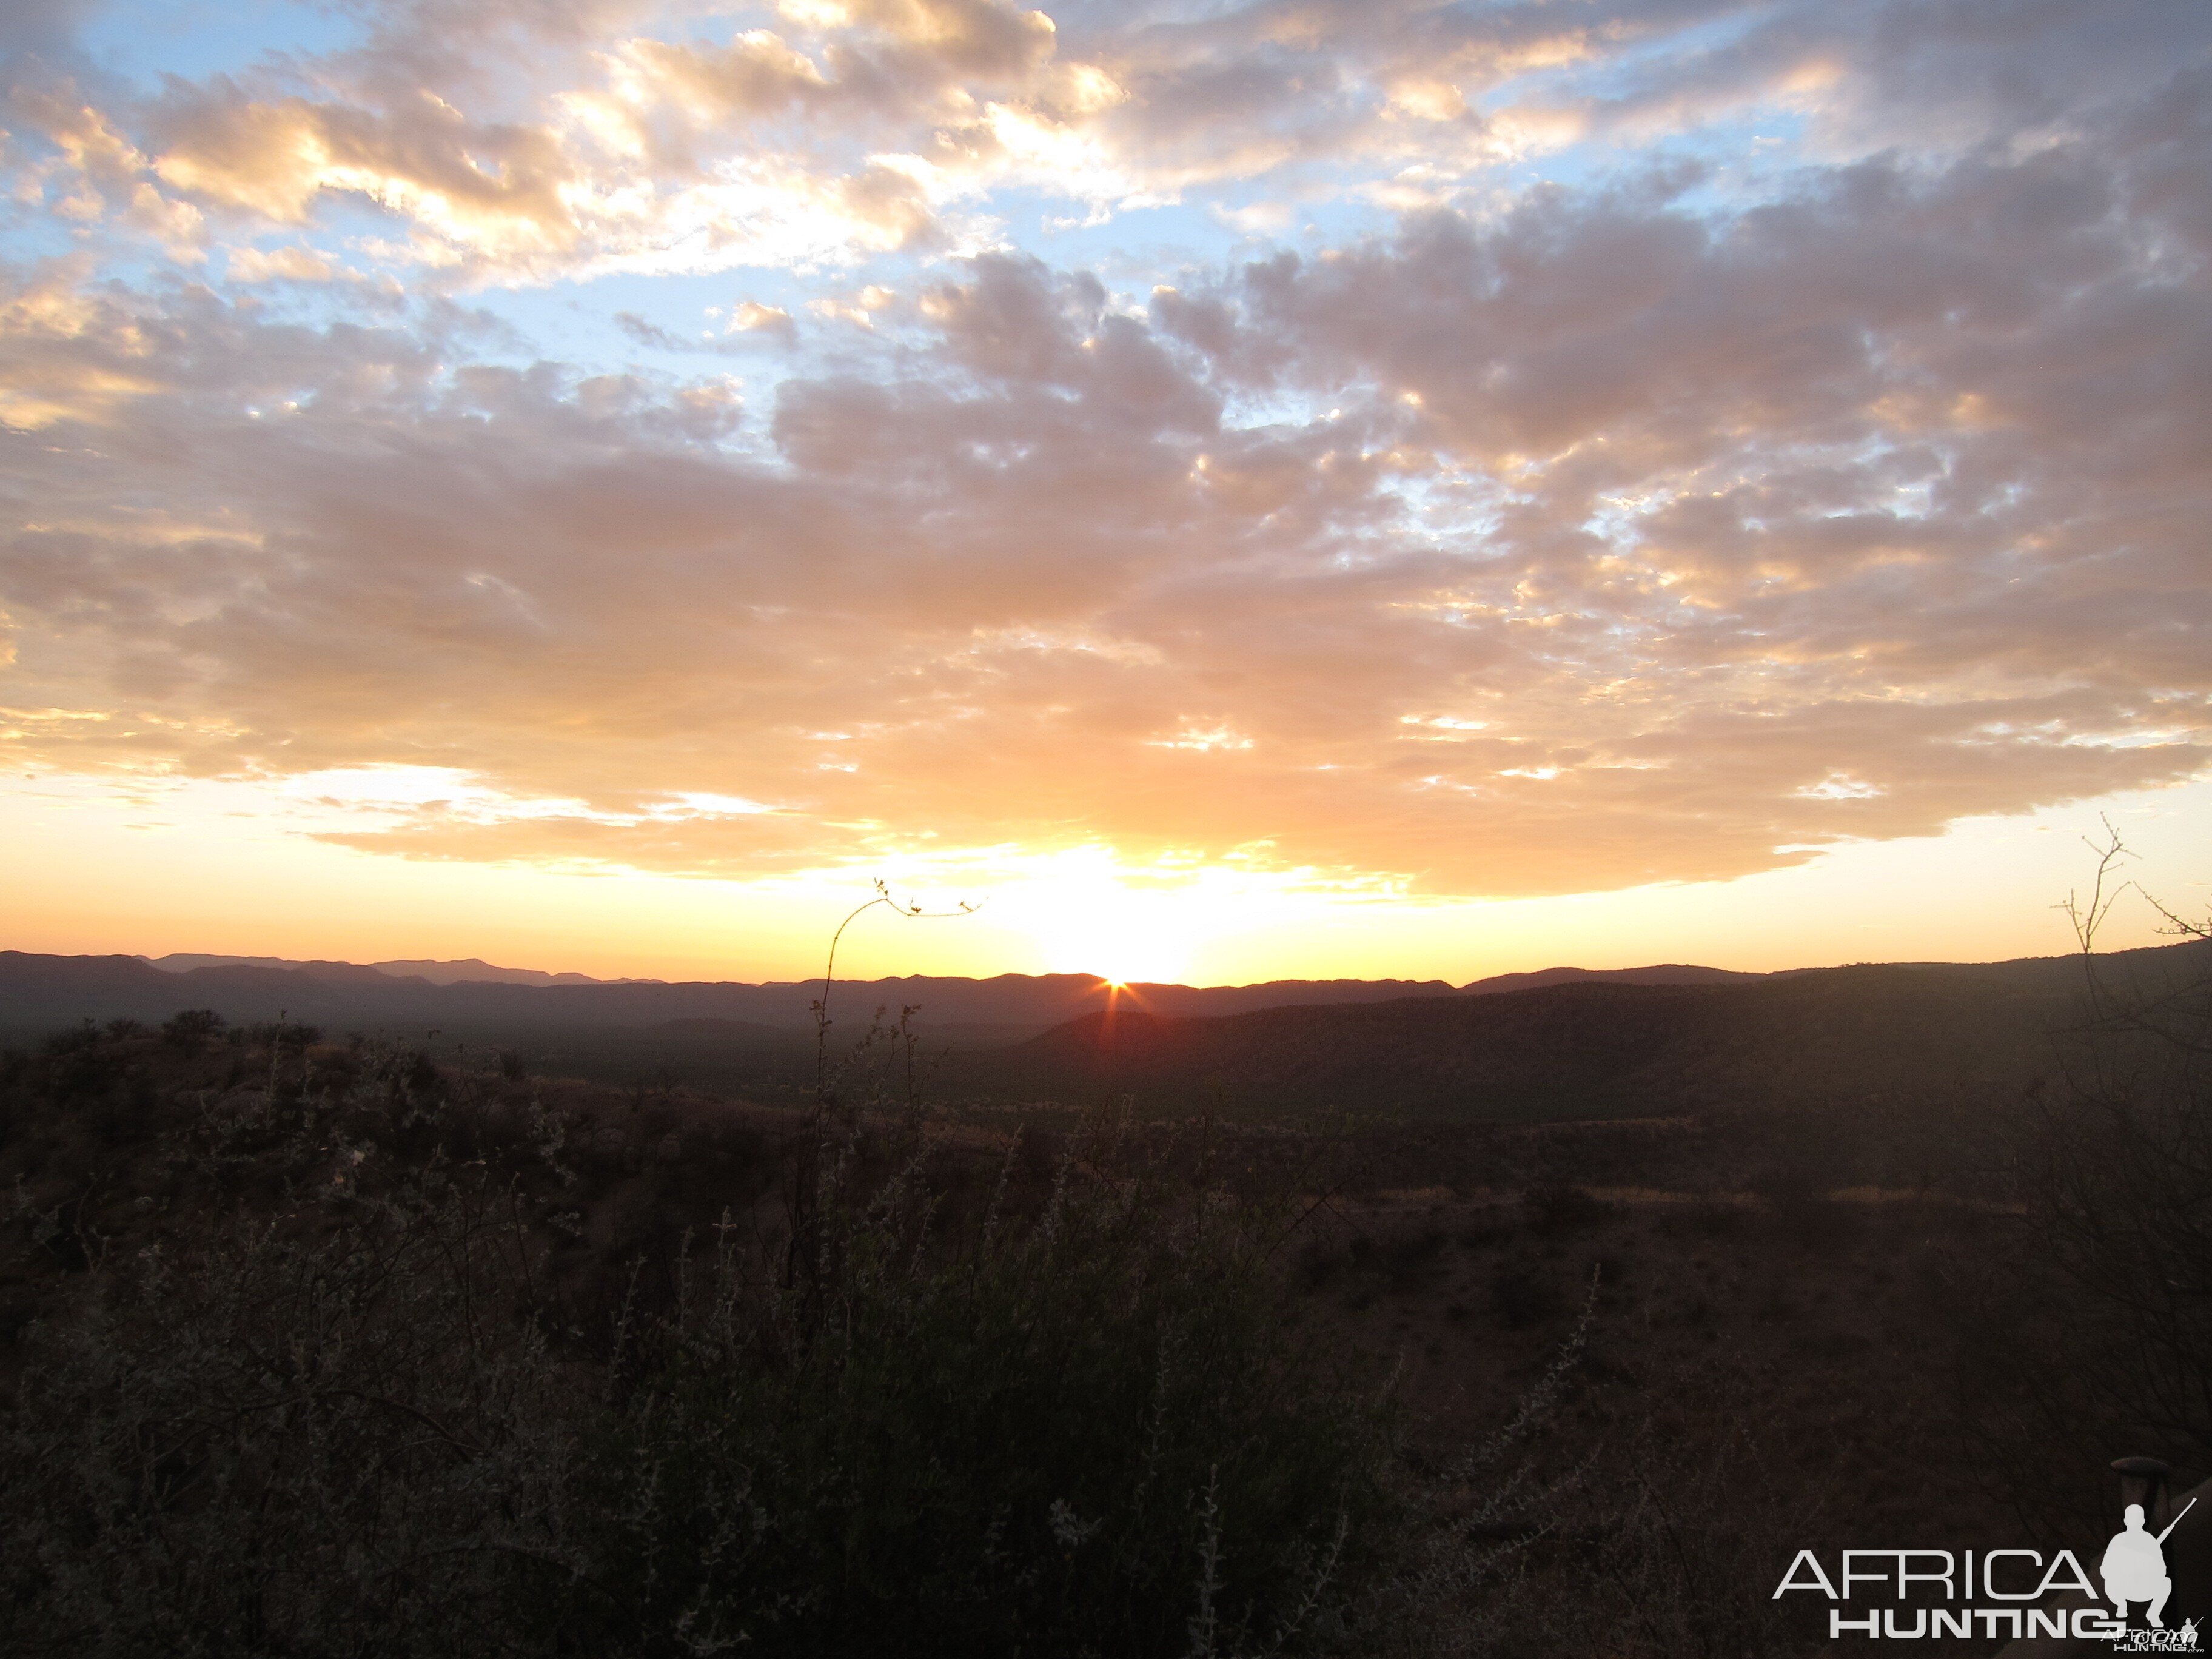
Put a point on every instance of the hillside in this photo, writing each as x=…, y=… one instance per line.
x=1572, y=1043
x=1668, y=973
x=39, y=992
x=1774, y=1255
x=1876, y=1032
x=468, y=968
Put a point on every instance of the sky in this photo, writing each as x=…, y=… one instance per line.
x=1228, y=491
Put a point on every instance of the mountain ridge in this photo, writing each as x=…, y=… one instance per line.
x=463, y=970
x=1887, y=1032
x=476, y=970
x=1666, y=1040
x=38, y=989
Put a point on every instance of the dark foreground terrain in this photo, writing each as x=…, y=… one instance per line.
x=315, y=1345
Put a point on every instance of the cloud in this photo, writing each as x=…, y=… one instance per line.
x=494, y=187
x=1003, y=601
x=750, y=317
x=1565, y=537
x=847, y=131
x=69, y=354
x=292, y=263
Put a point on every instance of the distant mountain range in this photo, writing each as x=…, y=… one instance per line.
x=474, y=970
x=1648, y=1043
x=471, y=970
x=44, y=990
x=1666, y=1039
x=1669, y=972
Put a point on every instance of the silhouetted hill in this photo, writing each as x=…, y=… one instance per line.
x=1659, y=1041
x=1663, y=974
x=468, y=968
x=1596, y=1049
x=476, y=970
x=335, y=973
x=41, y=992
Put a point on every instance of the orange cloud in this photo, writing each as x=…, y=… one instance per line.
x=1543, y=541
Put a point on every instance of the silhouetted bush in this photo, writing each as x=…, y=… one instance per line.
x=190, y=1026
x=1668, y=1536
x=1086, y=1433
x=2094, y=1330
x=357, y=1412
x=312, y=1444
x=73, y=1039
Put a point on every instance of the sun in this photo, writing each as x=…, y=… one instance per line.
x=1125, y=939
x=1088, y=914
x=1119, y=958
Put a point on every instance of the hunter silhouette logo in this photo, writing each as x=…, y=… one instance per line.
x=2134, y=1568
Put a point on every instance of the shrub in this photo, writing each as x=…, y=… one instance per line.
x=2091, y=1330
x=360, y=1414
x=309, y=1444
x=73, y=1040
x=1086, y=1433
x=188, y=1027
x=1669, y=1542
